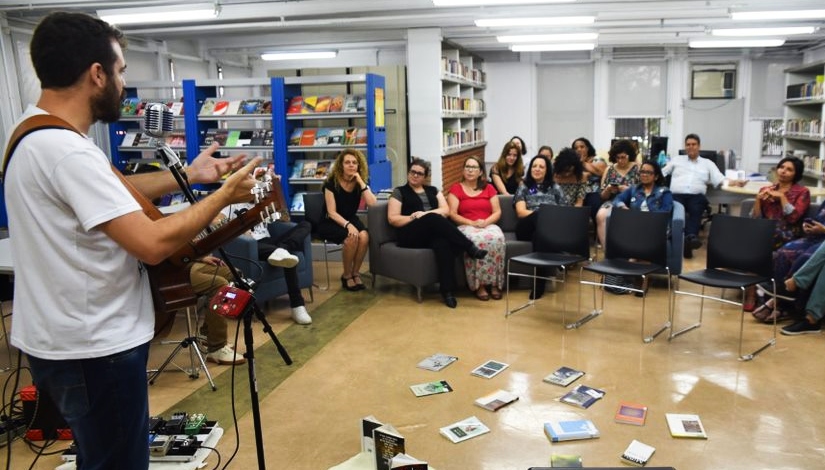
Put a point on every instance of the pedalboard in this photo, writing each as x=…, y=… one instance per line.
x=230, y=301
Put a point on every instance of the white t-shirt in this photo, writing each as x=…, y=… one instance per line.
x=77, y=293
x=258, y=232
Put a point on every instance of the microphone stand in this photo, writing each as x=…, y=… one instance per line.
x=172, y=161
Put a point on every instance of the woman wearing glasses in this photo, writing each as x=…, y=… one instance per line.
x=419, y=212
x=475, y=208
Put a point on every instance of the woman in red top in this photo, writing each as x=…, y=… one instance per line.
x=785, y=201
x=475, y=208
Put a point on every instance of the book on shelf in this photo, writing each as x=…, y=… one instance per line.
x=431, y=388
x=388, y=443
x=176, y=107
x=322, y=168
x=129, y=106
x=295, y=137
x=297, y=204
x=308, y=106
x=244, y=138
x=176, y=139
x=296, y=105
x=260, y=136
x=637, y=453
x=368, y=425
x=221, y=108
x=297, y=169
x=465, y=429
x=436, y=362
x=631, y=413
x=489, y=369
x=308, y=170
x=308, y=137
x=336, y=136
x=322, y=105
x=361, y=105
x=251, y=106
x=407, y=462
x=321, y=137
x=563, y=376
x=565, y=461
x=232, y=138
x=141, y=107
x=685, y=425
x=336, y=103
x=361, y=136
x=582, y=396
x=131, y=139
x=350, y=104
x=234, y=107
x=350, y=134
x=496, y=400
x=570, y=430
x=208, y=107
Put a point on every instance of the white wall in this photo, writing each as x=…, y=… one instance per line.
x=511, y=107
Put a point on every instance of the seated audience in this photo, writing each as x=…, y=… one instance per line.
x=419, y=212
x=344, y=189
x=622, y=173
x=811, y=284
x=522, y=147
x=594, y=168
x=538, y=188
x=690, y=177
x=547, y=151
x=568, y=174
x=507, y=172
x=785, y=201
x=474, y=207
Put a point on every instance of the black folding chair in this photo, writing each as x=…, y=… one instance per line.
x=314, y=213
x=561, y=240
x=636, y=246
x=740, y=255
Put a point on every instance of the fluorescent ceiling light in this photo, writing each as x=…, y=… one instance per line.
x=707, y=43
x=573, y=46
x=778, y=15
x=743, y=32
x=298, y=55
x=160, y=14
x=552, y=21
x=470, y=3
x=536, y=38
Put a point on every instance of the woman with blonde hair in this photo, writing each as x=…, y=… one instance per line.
x=507, y=173
x=474, y=207
x=344, y=189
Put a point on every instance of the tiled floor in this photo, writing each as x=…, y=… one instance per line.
x=760, y=414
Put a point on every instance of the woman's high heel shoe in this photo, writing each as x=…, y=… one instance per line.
x=764, y=311
x=345, y=284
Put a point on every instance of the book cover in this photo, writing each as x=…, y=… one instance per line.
x=336, y=103
x=129, y=106
x=297, y=169
x=308, y=170
x=295, y=106
x=234, y=107
x=221, y=108
x=489, y=369
x=297, y=204
x=465, y=429
x=208, y=107
x=141, y=107
x=322, y=168
x=176, y=108
x=350, y=104
x=631, y=413
x=637, y=453
x=582, y=396
x=252, y=106
x=216, y=135
x=308, y=137
x=436, y=362
x=295, y=138
x=563, y=376
x=496, y=400
x=388, y=444
x=349, y=135
x=685, y=425
x=408, y=462
x=361, y=106
x=336, y=137
x=570, y=430
x=566, y=460
x=431, y=388
x=368, y=425
x=244, y=138
x=309, y=104
x=322, y=105
x=361, y=136
x=259, y=137
x=268, y=136
x=321, y=136
x=176, y=139
x=130, y=139
x=232, y=138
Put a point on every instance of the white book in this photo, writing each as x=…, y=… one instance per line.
x=464, y=429
x=489, y=369
x=436, y=362
x=637, y=453
x=685, y=425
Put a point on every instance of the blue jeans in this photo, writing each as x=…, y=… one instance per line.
x=695, y=205
x=105, y=401
x=809, y=277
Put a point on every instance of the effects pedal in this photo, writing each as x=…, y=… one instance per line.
x=175, y=424
x=160, y=444
x=230, y=301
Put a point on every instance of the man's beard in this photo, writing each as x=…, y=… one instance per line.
x=106, y=105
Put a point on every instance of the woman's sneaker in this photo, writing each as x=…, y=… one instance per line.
x=802, y=327
x=282, y=258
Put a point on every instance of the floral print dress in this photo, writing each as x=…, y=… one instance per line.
x=490, y=270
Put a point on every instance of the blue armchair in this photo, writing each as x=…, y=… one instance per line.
x=270, y=279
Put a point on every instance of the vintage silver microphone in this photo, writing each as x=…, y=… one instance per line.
x=158, y=124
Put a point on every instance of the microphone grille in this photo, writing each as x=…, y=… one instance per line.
x=158, y=119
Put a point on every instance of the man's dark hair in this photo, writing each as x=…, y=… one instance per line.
x=65, y=45
x=694, y=137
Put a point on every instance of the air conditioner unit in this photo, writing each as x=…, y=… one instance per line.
x=714, y=84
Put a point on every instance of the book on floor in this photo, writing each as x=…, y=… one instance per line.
x=368, y=425
x=582, y=396
x=685, y=425
x=496, y=400
x=563, y=376
x=631, y=413
x=431, y=388
x=388, y=444
x=565, y=461
x=637, y=453
x=464, y=429
x=436, y=362
x=570, y=430
x=408, y=462
x=489, y=369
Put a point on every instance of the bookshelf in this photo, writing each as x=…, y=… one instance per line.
x=463, y=82
x=804, y=134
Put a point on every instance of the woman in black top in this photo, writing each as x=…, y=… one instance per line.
x=343, y=190
x=419, y=212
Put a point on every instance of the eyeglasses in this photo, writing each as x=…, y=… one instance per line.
x=471, y=168
x=646, y=172
x=416, y=173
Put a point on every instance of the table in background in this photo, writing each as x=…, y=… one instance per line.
x=752, y=188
